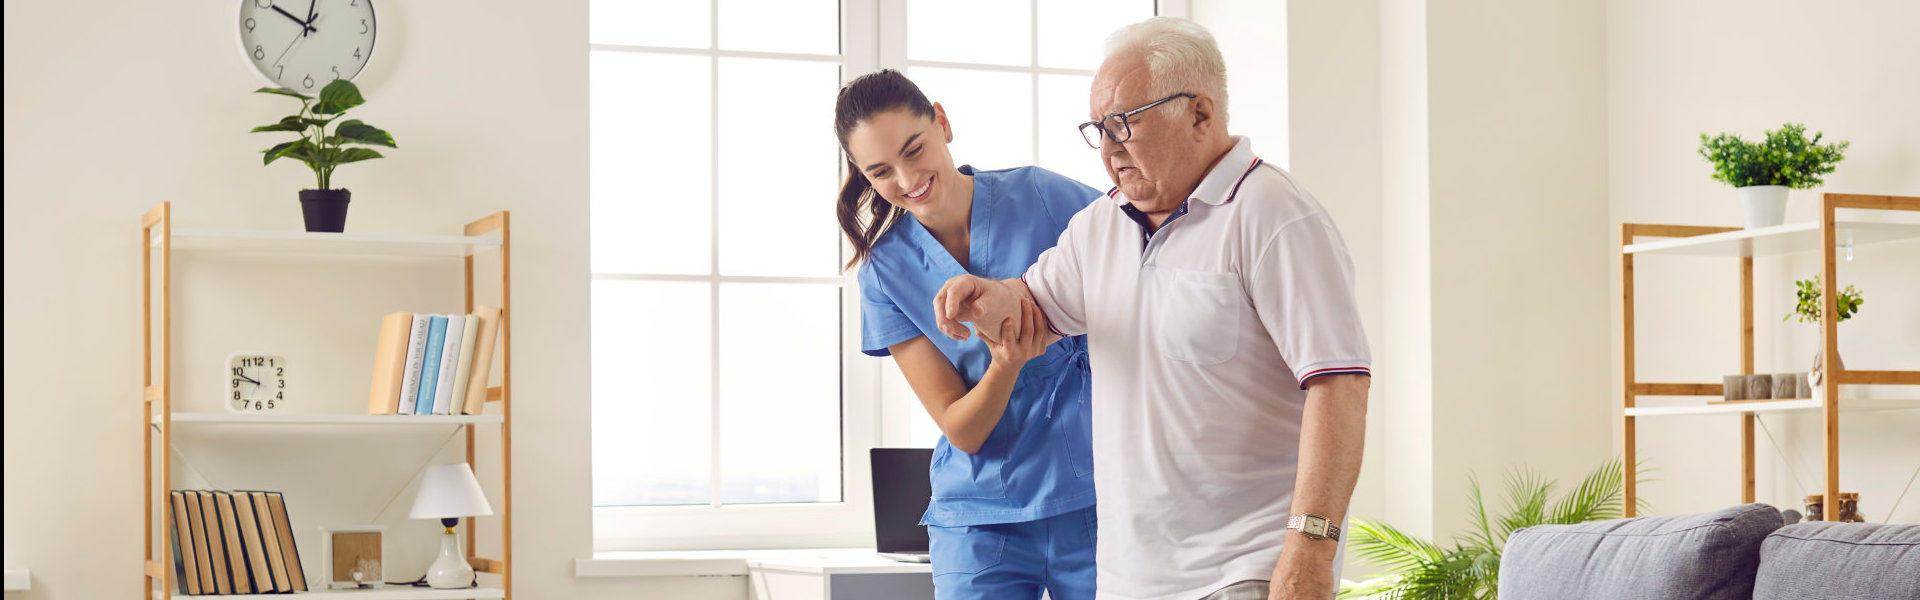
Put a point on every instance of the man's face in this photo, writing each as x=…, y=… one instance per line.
x=1162, y=163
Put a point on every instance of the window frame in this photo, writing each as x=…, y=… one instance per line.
x=874, y=412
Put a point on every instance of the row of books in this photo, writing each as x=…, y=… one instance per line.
x=428, y=364
x=234, y=542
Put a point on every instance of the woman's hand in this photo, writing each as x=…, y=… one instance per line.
x=1021, y=339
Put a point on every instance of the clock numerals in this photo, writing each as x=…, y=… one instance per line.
x=336, y=72
x=307, y=81
x=364, y=28
x=259, y=53
x=266, y=4
x=250, y=24
x=356, y=54
x=281, y=73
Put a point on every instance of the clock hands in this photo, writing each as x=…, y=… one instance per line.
x=250, y=380
x=305, y=26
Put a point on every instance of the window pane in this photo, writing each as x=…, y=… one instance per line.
x=1073, y=31
x=991, y=113
x=677, y=23
x=801, y=26
x=1063, y=107
x=779, y=392
x=652, y=393
x=780, y=168
x=651, y=183
x=997, y=32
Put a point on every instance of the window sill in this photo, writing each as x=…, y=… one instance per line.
x=693, y=563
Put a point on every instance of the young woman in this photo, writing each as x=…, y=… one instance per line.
x=1012, y=506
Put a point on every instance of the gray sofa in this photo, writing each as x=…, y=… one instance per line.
x=1737, y=553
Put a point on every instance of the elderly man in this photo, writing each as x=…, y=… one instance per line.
x=1231, y=371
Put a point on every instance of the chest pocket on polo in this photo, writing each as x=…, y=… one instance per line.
x=1197, y=315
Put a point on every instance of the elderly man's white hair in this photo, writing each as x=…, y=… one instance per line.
x=1181, y=57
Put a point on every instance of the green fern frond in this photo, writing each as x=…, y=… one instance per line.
x=1390, y=547
x=1596, y=498
x=1527, y=494
x=1482, y=534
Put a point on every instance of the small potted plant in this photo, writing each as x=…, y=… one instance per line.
x=1763, y=172
x=1807, y=309
x=325, y=208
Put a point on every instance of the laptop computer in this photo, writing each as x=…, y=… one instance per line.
x=900, y=496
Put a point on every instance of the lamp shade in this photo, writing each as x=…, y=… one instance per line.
x=449, y=491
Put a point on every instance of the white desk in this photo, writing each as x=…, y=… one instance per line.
x=840, y=575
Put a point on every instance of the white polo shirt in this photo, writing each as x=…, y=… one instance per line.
x=1201, y=339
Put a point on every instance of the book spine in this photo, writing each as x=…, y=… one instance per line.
x=416, y=356
x=430, y=368
x=389, y=364
x=291, y=550
x=197, y=529
x=250, y=534
x=464, y=370
x=185, y=567
x=270, y=542
x=449, y=363
x=236, y=553
x=216, y=543
x=490, y=319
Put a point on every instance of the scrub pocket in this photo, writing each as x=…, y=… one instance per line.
x=965, y=550
x=1199, y=315
x=1077, y=433
x=956, y=474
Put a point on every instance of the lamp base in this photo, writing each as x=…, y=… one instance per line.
x=450, y=570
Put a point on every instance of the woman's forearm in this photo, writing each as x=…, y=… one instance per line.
x=969, y=420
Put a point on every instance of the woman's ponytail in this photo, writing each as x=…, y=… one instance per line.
x=863, y=214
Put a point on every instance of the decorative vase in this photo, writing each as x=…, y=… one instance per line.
x=325, y=210
x=1819, y=374
x=1766, y=205
x=450, y=569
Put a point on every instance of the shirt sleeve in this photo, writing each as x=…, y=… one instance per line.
x=882, y=323
x=1055, y=280
x=1301, y=286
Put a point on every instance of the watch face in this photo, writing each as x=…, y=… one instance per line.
x=302, y=45
x=1314, y=527
x=256, y=382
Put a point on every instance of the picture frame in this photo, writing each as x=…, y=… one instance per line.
x=344, y=549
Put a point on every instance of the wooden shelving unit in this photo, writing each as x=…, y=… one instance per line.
x=1823, y=236
x=159, y=419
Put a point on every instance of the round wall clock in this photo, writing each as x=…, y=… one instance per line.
x=302, y=45
x=256, y=382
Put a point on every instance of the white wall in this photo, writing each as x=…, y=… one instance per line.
x=1676, y=70
x=111, y=110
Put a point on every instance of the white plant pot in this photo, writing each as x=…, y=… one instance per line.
x=1766, y=205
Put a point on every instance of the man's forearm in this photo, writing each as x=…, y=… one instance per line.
x=1333, y=433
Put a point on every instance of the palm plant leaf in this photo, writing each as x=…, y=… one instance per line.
x=1596, y=498
x=1392, y=548
x=1527, y=495
x=1482, y=533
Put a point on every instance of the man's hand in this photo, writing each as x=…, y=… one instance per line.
x=976, y=300
x=1303, y=574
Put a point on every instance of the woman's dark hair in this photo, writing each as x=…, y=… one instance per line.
x=861, y=99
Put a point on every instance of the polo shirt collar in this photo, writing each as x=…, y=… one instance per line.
x=1218, y=186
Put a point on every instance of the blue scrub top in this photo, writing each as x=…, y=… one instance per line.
x=1038, y=462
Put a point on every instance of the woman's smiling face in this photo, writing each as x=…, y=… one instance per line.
x=905, y=158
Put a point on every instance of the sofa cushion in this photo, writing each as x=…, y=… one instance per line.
x=1709, y=556
x=1840, y=560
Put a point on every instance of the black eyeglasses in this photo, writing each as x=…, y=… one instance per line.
x=1115, y=127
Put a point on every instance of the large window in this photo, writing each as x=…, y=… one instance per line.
x=731, y=407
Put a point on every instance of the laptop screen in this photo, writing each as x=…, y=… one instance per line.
x=900, y=496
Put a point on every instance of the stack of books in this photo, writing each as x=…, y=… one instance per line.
x=429, y=364
x=234, y=542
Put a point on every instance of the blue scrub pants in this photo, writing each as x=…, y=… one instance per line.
x=1014, y=561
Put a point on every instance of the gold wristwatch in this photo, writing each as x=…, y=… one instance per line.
x=1315, y=527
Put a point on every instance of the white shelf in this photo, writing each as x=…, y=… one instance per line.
x=18, y=580
x=385, y=593
x=1791, y=238
x=1761, y=406
x=325, y=419
x=301, y=242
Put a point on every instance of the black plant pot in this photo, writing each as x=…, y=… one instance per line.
x=325, y=210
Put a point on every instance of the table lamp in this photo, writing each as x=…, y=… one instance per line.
x=447, y=493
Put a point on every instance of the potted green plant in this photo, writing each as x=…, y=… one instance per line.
x=1471, y=569
x=1807, y=308
x=1763, y=172
x=325, y=208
